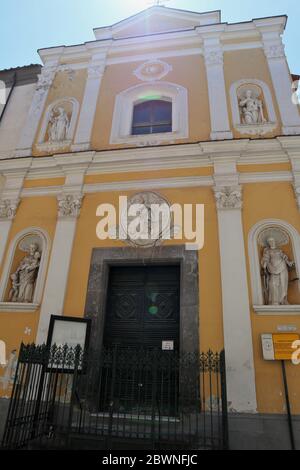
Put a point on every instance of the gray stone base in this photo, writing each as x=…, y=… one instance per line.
x=262, y=432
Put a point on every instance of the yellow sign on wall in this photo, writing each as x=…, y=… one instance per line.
x=278, y=346
x=283, y=346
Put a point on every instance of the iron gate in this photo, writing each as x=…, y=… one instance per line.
x=126, y=399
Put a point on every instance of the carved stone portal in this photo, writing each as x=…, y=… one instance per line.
x=275, y=266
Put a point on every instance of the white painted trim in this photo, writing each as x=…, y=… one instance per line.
x=123, y=113
x=236, y=314
x=236, y=115
x=17, y=308
x=43, y=266
x=280, y=310
x=47, y=115
x=255, y=268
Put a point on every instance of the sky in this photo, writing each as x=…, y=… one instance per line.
x=28, y=25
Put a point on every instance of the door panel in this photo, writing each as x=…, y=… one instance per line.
x=143, y=306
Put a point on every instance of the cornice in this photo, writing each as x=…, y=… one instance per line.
x=191, y=38
x=160, y=183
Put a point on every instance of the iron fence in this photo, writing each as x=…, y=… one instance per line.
x=125, y=398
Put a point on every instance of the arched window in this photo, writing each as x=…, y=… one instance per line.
x=149, y=114
x=152, y=117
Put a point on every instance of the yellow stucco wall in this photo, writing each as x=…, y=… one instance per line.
x=271, y=201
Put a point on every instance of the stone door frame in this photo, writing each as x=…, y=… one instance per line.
x=103, y=258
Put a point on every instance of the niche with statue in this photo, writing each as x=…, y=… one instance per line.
x=59, y=124
x=280, y=282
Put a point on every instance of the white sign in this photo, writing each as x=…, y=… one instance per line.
x=168, y=345
x=268, y=347
x=69, y=333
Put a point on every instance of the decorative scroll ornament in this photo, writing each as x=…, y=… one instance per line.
x=229, y=197
x=8, y=208
x=152, y=70
x=69, y=205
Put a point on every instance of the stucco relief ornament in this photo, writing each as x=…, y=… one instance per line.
x=275, y=266
x=8, y=208
x=43, y=85
x=228, y=197
x=24, y=278
x=69, y=205
x=141, y=225
x=152, y=70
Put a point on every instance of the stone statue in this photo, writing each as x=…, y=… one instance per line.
x=23, y=280
x=58, y=125
x=275, y=264
x=252, y=109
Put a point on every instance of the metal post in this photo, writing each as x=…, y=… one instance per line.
x=288, y=406
x=224, y=401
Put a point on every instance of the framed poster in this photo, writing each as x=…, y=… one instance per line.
x=68, y=331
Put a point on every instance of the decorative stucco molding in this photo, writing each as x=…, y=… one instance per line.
x=8, y=208
x=152, y=70
x=228, y=197
x=69, y=205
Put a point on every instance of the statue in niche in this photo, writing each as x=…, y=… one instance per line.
x=23, y=280
x=58, y=125
x=276, y=266
x=251, y=109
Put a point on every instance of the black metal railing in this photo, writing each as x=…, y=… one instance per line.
x=123, y=398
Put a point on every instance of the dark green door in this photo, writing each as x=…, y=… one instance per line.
x=141, y=340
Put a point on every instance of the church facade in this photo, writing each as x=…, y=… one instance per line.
x=166, y=107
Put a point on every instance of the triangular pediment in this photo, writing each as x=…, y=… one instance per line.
x=157, y=20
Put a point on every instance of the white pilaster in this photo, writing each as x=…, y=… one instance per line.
x=69, y=206
x=291, y=145
x=88, y=109
x=24, y=147
x=214, y=62
x=236, y=312
x=281, y=77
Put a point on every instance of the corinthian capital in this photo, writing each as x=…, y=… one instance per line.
x=274, y=51
x=8, y=208
x=228, y=197
x=69, y=205
x=96, y=71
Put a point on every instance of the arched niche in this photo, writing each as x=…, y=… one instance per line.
x=267, y=119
